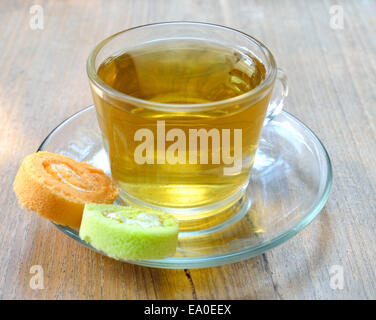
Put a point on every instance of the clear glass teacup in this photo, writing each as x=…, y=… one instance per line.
x=181, y=106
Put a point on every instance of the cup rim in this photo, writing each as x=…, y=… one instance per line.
x=93, y=76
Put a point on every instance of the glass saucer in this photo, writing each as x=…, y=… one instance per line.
x=289, y=185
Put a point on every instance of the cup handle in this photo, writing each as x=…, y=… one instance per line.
x=277, y=100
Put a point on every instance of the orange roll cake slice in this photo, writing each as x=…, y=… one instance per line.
x=57, y=187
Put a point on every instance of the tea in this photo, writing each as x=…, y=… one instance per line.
x=182, y=72
x=179, y=78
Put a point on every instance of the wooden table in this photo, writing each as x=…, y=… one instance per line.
x=332, y=76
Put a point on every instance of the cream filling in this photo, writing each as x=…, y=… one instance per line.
x=57, y=167
x=145, y=220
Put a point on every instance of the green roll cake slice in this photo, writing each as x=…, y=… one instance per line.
x=129, y=233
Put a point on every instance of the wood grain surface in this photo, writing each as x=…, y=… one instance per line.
x=332, y=77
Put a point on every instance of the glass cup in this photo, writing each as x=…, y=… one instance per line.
x=190, y=159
